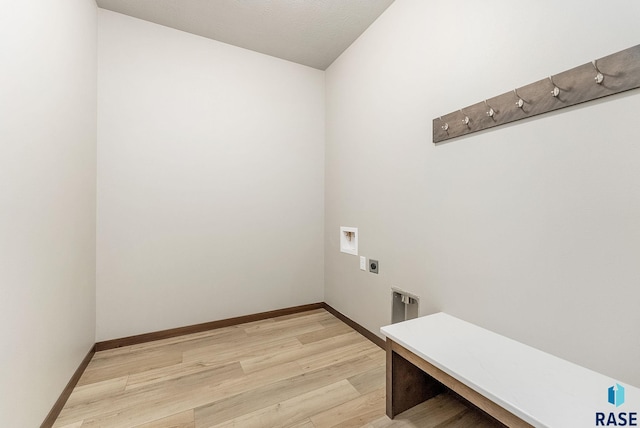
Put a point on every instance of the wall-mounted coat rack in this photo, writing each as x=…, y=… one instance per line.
x=610, y=75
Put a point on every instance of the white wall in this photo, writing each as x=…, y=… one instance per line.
x=531, y=229
x=47, y=201
x=210, y=180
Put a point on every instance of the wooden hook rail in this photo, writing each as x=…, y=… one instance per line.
x=610, y=75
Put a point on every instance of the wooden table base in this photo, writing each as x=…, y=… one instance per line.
x=412, y=380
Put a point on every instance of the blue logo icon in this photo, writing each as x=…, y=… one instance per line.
x=616, y=395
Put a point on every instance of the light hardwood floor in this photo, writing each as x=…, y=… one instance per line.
x=305, y=370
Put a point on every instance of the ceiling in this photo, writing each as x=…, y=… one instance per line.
x=309, y=32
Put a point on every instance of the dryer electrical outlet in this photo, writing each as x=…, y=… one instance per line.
x=373, y=266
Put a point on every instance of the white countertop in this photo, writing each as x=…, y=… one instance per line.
x=542, y=389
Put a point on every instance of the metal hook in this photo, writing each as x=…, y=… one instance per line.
x=444, y=127
x=556, y=90
x=466, y=119
x=599, y=77
x=490, y=112
x=520, y=102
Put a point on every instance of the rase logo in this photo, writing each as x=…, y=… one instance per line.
x=615, y=397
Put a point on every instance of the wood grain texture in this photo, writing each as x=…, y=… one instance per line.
x=442, y=411
x=306, y=370
x=621, y=73
x=181, y=331
x=357, y=327
x=478, y=400
x=407, y=384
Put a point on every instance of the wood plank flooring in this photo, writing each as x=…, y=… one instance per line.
x=305, y=370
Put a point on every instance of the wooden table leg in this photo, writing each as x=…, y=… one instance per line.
x=407, y=385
